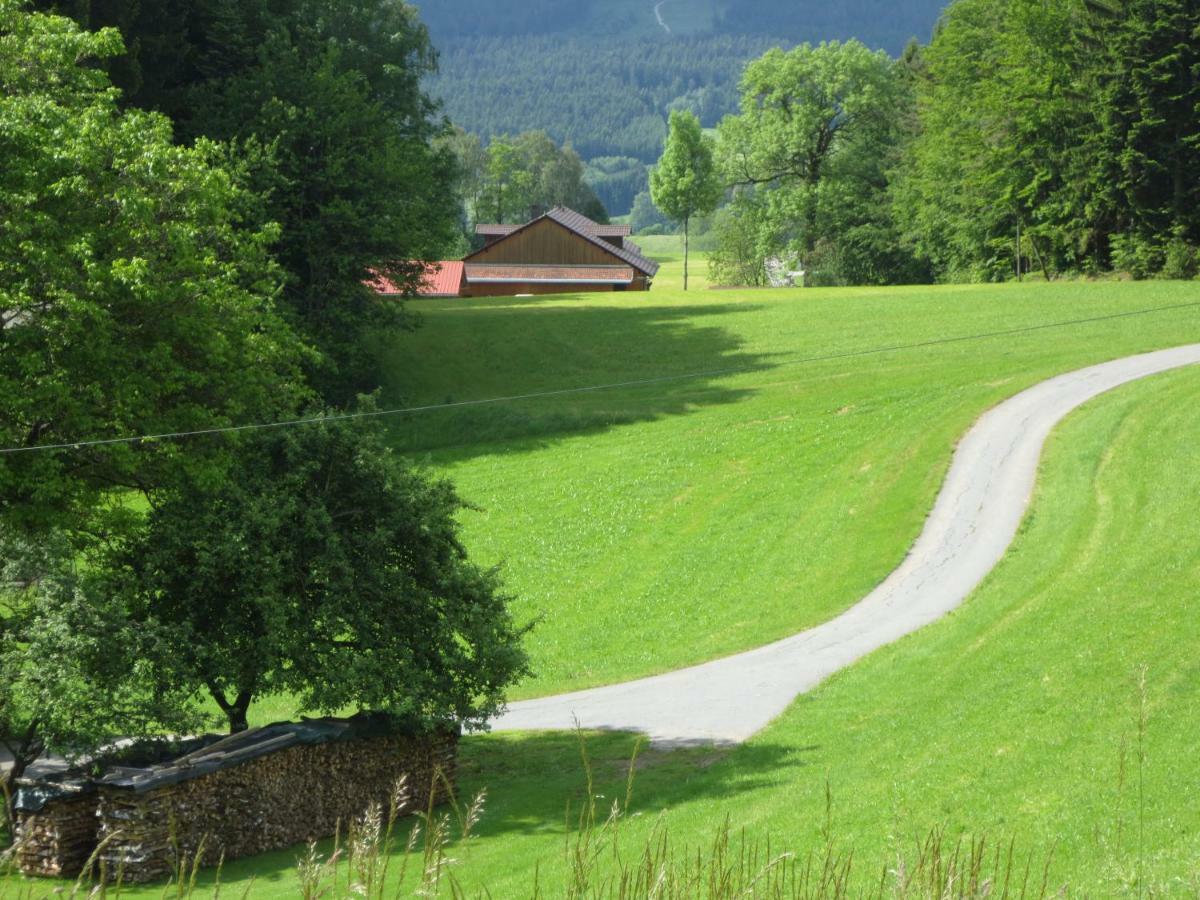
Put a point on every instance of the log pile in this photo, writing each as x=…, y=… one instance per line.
x=261, y=790
x=293, y=795
x=58, y=840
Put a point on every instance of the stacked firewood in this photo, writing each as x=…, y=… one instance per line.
x=295, y=794
x=58, y=840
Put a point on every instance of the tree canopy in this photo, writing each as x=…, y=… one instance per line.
x=1028, y=135
x=512, y=177
x=685, y=183
x=323, y=569
x=1072, y=124
x=147, y=301
x=324, y=100
x=137, y=295
x=810, y=151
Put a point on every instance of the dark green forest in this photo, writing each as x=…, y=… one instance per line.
x=878, y=23
x=613, y=104
x=604, y=77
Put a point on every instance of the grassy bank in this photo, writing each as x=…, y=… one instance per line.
x=661, y=524
x=1056, y=709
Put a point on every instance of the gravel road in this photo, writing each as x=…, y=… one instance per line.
x=974, y=520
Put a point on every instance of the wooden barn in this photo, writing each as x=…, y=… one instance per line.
x=560, y=252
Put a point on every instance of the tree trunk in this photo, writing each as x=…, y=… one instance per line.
x=24, y=755
x=810, y=229
x=1041, y=259
x=10, y=821
x=237, y=718
x=235, y=712
x=685, y=251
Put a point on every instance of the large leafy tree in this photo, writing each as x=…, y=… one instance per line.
x=323, y=569
x=1001, y=120
x=508, y=184
x=1073, y=125
x=515, y=176
x=74, y=670
x=135, y=297
x=1142, y=149
x=817, y=130
x=686, y=183
x=325, y=99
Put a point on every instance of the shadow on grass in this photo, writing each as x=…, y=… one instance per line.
x=535, y=780
x=503, y=349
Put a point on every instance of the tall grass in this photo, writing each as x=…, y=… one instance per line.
x=734, y=864
x=379, y=856
x=369, y=863
x=391, y=852
x=601, y=864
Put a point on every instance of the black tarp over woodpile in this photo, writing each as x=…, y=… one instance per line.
x=263, y=789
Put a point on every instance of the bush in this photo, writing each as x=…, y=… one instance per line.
x=1182, y=260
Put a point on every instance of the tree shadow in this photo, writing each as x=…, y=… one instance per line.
x=536, y=784
x=553, y=372
x=532, y=779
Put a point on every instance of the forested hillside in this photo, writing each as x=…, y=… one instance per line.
x=606, y=99
x=605, y=76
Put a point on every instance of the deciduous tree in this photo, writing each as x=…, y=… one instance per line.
x=817, y=129
x=135, y=298
x=325, y=569
x=73, y=669
x=685, y=183
x=325, y=99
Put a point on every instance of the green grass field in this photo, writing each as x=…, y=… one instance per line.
x=777, y=467
x=659, y=525
x=1015, y=718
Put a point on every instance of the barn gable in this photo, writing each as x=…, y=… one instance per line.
x=561, y=251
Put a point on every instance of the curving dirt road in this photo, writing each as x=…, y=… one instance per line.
x=974, y=520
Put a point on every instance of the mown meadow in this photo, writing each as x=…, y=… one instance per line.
x=775, y=466
x=775, y=469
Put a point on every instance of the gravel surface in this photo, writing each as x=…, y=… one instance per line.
x=973, y=522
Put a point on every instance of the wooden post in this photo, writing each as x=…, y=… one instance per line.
x=1018, y=249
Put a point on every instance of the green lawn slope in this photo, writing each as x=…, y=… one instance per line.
x=1055, y=710
x=1022, y=716
x=776, y=464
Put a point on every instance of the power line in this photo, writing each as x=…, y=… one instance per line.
x=589, y=389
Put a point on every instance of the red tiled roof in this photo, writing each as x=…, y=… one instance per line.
x=445, y=281
x=483, y=273
x=442, y=279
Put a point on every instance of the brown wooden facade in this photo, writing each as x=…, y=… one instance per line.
x=546, y=242
x=555, y=242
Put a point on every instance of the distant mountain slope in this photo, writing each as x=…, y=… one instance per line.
x=878, y=23
x=604, y=74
